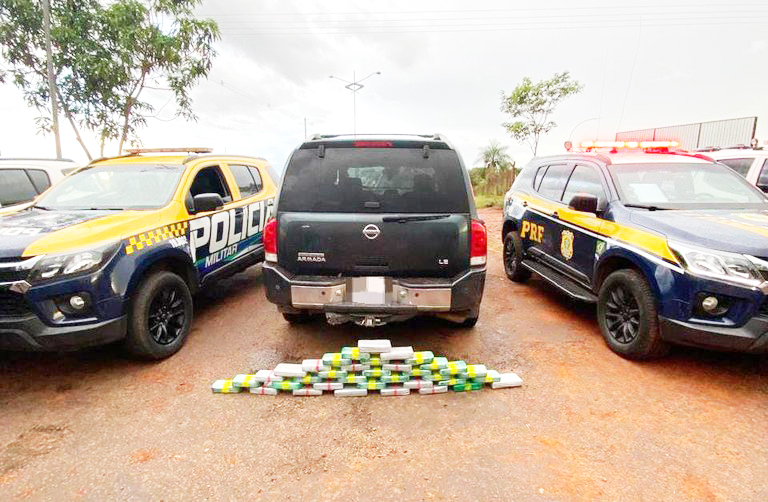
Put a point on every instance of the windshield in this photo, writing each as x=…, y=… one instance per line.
x=115, y=187
x=684, y=186
x=381, y=180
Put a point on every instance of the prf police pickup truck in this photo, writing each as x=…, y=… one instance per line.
x=672, y=247
x=116, y=250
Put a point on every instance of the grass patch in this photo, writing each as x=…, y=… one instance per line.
x=482, y=201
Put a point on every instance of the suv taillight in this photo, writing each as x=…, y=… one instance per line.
x=478, y=244
x=270, y=240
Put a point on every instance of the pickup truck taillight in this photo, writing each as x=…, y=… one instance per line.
x=478, y=244
x=270, y=240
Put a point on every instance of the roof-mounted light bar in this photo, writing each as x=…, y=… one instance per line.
x=194, y=149
x=629, y=144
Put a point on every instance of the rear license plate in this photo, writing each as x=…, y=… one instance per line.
x=369, y=290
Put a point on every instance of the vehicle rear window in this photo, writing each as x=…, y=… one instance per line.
x=741, y=166
x=390, y=180
x=39, y=179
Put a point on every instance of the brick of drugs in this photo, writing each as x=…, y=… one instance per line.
x=376, y=373
x=328, y=386
x=289, y=370
x=437, y=364
x=350, y=392
x=264, y=391
x=314, y=365
x=474, y=371
x=395, y=391
x=245, y=381
x=454, y=368
x=406, y=368
x=374, y=346
x=224, y=387
x=508, y=380
x=397, y=354
x=307, y=391
x=437, y=389
x=332, y=374
x=395, y=378
x=418, y=384
x=355, y=354
x=267, y=377
x=422, y=357
x=335, y=359
x=286, y=385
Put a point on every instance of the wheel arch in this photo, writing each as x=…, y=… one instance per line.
x=509, y=226
x=612, y=261
x=171, y=260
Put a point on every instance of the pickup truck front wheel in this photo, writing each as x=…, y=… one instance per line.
x=160, y=317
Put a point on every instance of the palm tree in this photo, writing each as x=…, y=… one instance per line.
x=495, y=158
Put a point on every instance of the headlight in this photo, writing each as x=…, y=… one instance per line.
x=733, y=267
x=77, y=262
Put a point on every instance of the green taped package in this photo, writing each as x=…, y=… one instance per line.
x=354, y=354
x=437, y=364
x=422, y=357
x=376, y=373
x=395, y=378
x=335, y=359
x=353, y=379
x=372, y=385
x=467, y=386
x=450, y=382
x=332, y=374
x=286, y=385
x=454, y=368
x=224, y=387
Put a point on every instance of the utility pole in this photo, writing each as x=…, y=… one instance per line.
x=355, y=86
x=51, y=84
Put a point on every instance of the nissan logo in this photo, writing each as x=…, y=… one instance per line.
x=371, y=231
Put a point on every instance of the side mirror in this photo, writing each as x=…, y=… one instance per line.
x=206, y=202
x=586, y=203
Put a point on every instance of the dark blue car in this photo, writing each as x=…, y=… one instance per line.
x=673, y=247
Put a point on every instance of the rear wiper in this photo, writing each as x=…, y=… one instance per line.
x=649, y=208
x=405, y=219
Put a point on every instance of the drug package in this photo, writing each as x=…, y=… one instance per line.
x=289, y=370
x=225, y=387
x=397, y=354
x=421, y=357
x=507, y=380
x=374, y=346
x=245, y=381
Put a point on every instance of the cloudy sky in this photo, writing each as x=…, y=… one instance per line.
x=443, y=66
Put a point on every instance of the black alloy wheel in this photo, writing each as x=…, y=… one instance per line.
x=513, y=247
x=622, y=315
x=167, y=315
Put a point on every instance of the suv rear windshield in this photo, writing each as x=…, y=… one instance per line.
x=379, y=180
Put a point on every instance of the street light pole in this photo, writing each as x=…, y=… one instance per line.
x=582, y=122
x=354, y=86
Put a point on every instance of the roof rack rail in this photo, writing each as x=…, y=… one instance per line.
x=35, y=158
x=194, y=149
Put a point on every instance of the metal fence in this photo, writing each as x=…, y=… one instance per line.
x=718, y=133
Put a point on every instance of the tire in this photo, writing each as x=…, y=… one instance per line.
x=626, y=313
x=301, y=318
x=513, y=256
x=160, y=317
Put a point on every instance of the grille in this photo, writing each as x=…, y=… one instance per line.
x=9, y=269
x=13, y=305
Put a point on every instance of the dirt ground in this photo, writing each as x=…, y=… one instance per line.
x=586, y=425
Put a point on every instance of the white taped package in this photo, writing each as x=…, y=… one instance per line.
x=395, y=391
x=350, y=392
x=418, y=384
x=356, y=367
x=328, y=385
x=264, y=391
x=267, y=377
x=289, y=370
x=306, y=391
x=397, y=354
x=405, y=368
x=436, y=389
x=508, y=380
x=474, y=371
x=374, y=346
x=314, y=365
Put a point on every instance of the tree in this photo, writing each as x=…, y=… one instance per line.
x=533, y=104
x=495, y=158
x=105, y=55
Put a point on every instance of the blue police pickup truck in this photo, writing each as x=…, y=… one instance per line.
x=672, y=247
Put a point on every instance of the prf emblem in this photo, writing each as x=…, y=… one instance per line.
x=533, y=231
x=566, y=244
